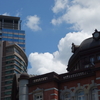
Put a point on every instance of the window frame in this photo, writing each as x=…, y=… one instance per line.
x=68, y=98
x=91, y=94
x=82, y=96
x=38, y=94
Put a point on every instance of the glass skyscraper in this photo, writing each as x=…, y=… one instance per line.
x=12, y=53
x=10, y=30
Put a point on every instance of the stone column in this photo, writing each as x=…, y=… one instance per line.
x=23, y=89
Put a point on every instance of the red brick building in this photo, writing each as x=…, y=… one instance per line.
x=81, y=82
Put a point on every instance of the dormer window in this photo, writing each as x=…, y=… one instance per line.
x=88, y=53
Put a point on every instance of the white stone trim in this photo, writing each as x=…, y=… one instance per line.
x=53, y=94
x=98, y=84
x=98, y=78
x=36, y=91
x=30, y=93
x=51, y=89
x=54, y=99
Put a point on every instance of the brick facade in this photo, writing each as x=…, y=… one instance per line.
x=56, y=88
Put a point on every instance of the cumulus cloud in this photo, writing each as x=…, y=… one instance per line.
x=33, y=23
x=84, y=16
x=59, y=5
x=46, y=62
x=43, y=63
x=64, y=46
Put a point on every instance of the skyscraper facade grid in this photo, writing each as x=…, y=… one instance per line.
x=12, y=53
x=10, y=30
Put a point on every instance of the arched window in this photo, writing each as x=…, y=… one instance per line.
x=80, y=95
x=67, y=96
x=94, y=94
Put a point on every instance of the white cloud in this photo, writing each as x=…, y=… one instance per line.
x=46, y=62
x=84, y=16
x=59, y=5
x=56, y=22
x=19, y=12
x=6, y=14
x=43, y=63
x=33, y=23
x=64, y=47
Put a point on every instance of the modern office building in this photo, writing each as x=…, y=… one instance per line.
x=81, y=82
x=10, y=30
x=13, y=60
x=12, y=53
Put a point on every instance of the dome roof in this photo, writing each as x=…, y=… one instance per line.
x=92, y=43
x=89, y=43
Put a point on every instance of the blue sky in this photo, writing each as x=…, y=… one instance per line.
x=51, y=26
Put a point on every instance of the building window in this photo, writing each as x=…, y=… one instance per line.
x=92, y=61
x=38, y=97
x=8, y=82
x=8, y=92
x=9, y=72
x=94, y=94
x=80, y=95
x=10, y=66
x=7, y=98
x=87, y=66
x=8, y=87
x=9, y=57
x=38, y=94
x=9, y=50
x=67, y=96
x=8, y=76
x=98, y=57
x=9, y=62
